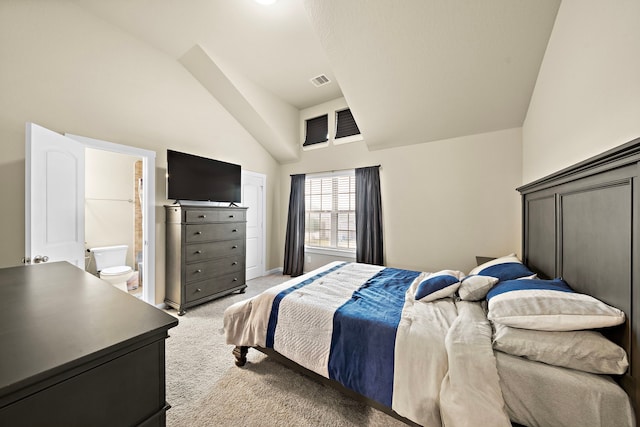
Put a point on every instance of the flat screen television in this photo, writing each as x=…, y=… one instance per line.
x=191, y=177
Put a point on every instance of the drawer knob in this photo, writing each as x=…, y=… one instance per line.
x=198, y=290
x=234, y=263
x=235, y=279
x=198, y=252
x=234, y=230
x=232, y=216
x=198, y=232
x=203, y=216
x=198, y=271
x=234, y=247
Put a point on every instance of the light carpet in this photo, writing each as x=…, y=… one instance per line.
x=205, y=388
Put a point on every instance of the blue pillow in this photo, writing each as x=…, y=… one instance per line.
x=504, y=268
x=507, y=271
x=557, y=284
x=438, y=285
x=548, y=305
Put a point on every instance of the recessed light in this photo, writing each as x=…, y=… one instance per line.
x=265, y=1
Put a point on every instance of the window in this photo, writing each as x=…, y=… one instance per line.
x=317, y=130
x=330, y=209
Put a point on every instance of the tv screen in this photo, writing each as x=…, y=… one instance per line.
x=191, y=177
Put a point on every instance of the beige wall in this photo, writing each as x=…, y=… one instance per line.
x=586, y=98
x=443, y=202
x=109, y=208
x=66, y=70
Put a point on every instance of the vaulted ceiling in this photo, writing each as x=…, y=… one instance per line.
x=412, y=71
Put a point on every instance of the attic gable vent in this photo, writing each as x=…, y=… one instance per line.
x=320, y=80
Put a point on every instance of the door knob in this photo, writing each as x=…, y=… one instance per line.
x=39, y=258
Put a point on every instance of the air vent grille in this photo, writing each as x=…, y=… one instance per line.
x=320, y=80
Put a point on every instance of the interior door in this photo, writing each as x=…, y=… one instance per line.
x=253, y=198
x=54, y=197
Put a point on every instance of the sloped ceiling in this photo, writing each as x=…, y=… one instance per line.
x=419, y=71
x=412, y=71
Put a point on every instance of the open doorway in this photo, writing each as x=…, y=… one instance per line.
x=141, y=252
x=113, y=212
x=55, y=199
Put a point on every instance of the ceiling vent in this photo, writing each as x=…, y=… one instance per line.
x=320, y=80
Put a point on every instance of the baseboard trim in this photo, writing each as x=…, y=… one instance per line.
x=274, y=271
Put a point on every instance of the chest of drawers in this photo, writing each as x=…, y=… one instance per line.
x=205, y=250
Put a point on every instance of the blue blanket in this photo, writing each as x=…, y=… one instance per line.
x=364, y=332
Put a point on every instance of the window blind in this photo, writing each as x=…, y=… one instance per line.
x=346, y=124
x=317, y=130
x=330, y=211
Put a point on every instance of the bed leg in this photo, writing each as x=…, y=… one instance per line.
x=240, y=353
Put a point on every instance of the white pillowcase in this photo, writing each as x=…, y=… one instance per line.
x=475, y=288
x=548, y=305
x=587, y=351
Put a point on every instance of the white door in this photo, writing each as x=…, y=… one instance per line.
x=253, y=188
x=54, y=197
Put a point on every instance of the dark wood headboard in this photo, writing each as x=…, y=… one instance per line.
x=582, y=224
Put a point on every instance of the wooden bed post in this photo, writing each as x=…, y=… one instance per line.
x=240, y=353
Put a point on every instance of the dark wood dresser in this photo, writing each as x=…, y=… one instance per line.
x=75, y=351
x=206, y=253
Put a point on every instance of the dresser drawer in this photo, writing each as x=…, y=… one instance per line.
x=214, y=215
x=213, y=268
x=197, y=290
x=203, y=251
x=205, y=232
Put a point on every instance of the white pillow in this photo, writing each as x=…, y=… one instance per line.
x=587, y=351
x=432, y=286
x=475, y=288
x=548, y=305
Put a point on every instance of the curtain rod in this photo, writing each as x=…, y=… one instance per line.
x=337, y=170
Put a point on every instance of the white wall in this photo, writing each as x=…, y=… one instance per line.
x=586, y=98
x=443, y=202
x=109, y=208
x=69, y=71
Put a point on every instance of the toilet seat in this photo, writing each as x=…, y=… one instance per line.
x=114, y=271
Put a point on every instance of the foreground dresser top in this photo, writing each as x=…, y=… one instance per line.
x=56, y=316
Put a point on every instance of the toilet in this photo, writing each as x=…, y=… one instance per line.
x=110, y=263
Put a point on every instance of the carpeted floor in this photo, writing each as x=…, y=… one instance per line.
x=205, y=388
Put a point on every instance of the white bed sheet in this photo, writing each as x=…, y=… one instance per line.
x=540, y=395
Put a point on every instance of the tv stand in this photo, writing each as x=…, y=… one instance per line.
x=206, y=254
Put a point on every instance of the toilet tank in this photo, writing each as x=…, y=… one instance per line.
x=110, y=256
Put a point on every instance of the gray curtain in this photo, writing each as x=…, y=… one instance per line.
x=368, y=216
x=294, y=240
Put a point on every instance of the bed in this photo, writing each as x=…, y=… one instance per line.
x=433, y=360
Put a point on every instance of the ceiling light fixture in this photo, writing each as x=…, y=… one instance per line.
x=265, y=1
